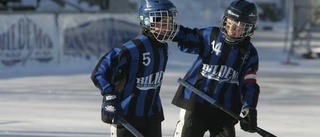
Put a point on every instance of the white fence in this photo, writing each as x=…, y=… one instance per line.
x=52, y=38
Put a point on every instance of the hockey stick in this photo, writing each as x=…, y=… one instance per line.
x=128, y=126
x=260, y=131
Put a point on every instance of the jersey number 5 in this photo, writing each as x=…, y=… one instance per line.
x=146, y=58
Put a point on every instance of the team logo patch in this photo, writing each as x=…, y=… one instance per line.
x=146, y=21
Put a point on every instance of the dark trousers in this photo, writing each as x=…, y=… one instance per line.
x=197, y=125
x=148, y=127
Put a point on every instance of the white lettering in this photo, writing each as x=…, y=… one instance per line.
x=220, y=73
x=232, y=13
x=152, y=81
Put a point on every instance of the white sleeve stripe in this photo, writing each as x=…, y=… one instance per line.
x=250, y=76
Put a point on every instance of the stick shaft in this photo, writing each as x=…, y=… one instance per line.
x=260, y=131
x=128, y=126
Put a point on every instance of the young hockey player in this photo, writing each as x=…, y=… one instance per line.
x=129, y=77
x=225, y=70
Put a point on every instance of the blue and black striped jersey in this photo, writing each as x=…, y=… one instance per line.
x=135, y=70
x=225, y=72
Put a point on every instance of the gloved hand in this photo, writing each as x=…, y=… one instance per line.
x=110, y=107
x=250, y=115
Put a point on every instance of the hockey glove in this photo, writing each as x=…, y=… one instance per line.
x=110, y=107
x=250, y=115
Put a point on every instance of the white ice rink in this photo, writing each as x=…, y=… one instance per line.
x=62, y=101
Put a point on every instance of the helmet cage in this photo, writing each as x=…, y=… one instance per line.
x=243, y=13
x=247, y=30
x=163, y=24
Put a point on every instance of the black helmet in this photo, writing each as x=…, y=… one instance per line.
x=244, y=13
x=153, y=11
